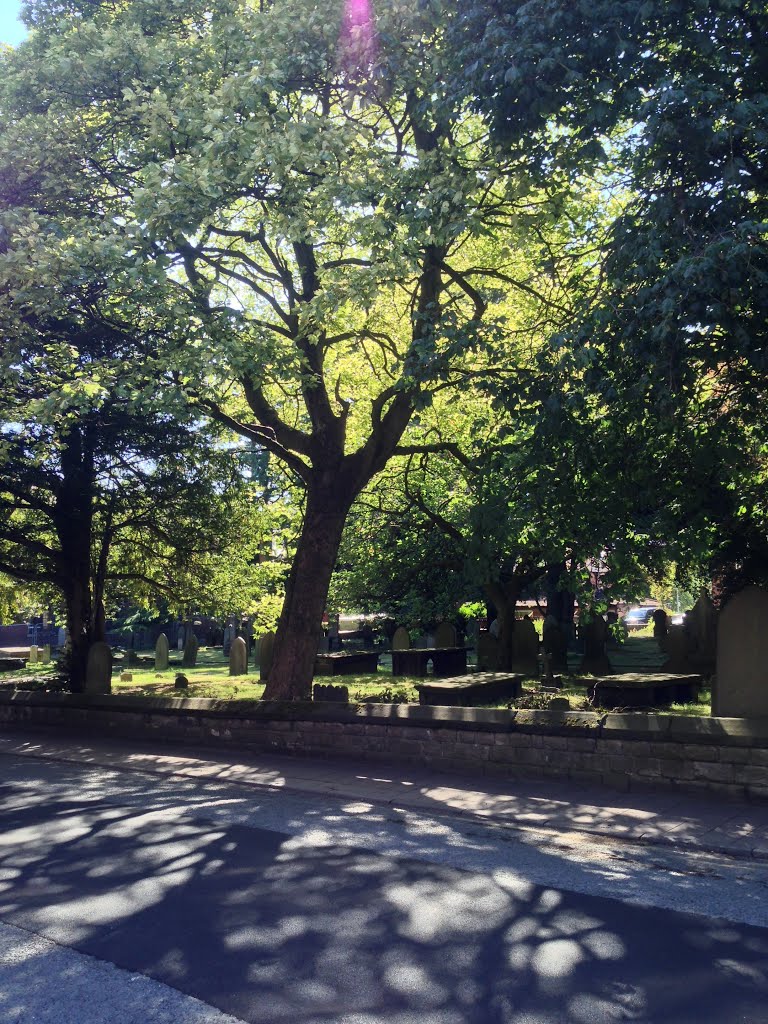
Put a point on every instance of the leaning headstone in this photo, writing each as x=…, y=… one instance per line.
x=266, y=648
x=238, y=657
x=401, y=641
x=161, y=653
x=445, y=635
x=98, y=672
x=45, y=656
x=741, y=683
x=189, y=658
x=33, y=655
x=525, y=643
x=595, y=635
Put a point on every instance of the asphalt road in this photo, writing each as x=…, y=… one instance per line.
x=126, y=897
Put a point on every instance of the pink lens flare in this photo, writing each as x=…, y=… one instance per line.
x=358, y=32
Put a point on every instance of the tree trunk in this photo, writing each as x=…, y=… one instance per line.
x=78, y=602
x=300, y=625
x=505, y=601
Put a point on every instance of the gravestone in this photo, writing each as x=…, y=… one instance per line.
x=401, y=641
x=595, y=635
x=525, y=644
x=266, y=650
x=98, y=672
x=126, y=677
x=33, y=655
x=487, y=652
x=238, y=657
x=445, y=635
x=559, y=704
x=61, y=637
x=740, y=689
x=660, y=626
x=189, y=658
x=229, y=635
x=45, y=656
x=702, y=630
x=180, y=682
x=330, y=693
x=131, y=659
x=161, y=653
x=676, y=646
x=555, y=645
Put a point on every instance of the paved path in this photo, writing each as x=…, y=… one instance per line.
x=680, y=820
x=157, y=885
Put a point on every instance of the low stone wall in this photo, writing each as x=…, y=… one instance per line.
x=727, y=756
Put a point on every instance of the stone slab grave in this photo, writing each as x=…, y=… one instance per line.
x=741, y=682
x=161, y=653
x=346, y=663
x=643, y=690
x=11, y=664
x=238, y=657
x=471, y=690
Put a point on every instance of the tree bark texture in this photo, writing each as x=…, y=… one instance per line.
x=306, y=592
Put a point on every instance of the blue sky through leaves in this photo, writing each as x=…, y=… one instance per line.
x=11, y=29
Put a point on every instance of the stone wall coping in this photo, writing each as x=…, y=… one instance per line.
x=614, y=726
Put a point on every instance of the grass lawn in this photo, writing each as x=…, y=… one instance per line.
x=211, y=678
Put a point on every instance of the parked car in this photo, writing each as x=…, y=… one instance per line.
x=638, y=618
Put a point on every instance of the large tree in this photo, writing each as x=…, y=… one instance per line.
x=313, y=196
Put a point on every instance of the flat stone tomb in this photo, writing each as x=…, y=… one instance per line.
x=346, y=663
x=446, y=661
x=644, y=690
x=467, y=691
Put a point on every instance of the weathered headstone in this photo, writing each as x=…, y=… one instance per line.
x=329, y=692
x=61, y=637
x=45, y=655
x=401, y=641
x=238, y=657
x=555, y=645
x=189, y=658
x=559, y=704
x=266, y=648
x=131, y=659
x=229, y=635
x=161, y=653
x=98, y=672
x=180, y=682
x=33, y=655
x=741, y=683
x=487, y=652
x=595, y=635
x=701, y=621
x=445, y=635
x=126, y=677
x=525, y=642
